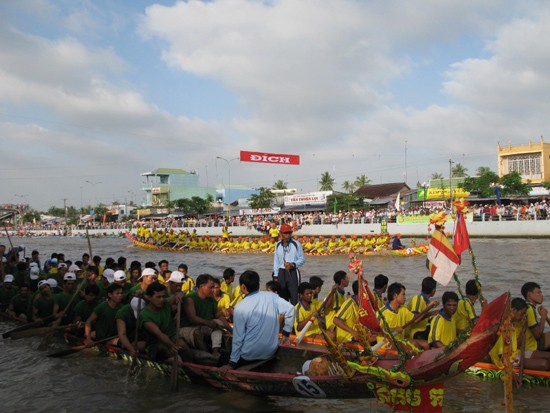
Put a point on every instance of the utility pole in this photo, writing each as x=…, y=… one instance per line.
x=451, y=182
x=65, y=209
x=405, y=161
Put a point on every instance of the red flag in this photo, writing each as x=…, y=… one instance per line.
x=461, y=238
x=367, y=306
x=442, y=258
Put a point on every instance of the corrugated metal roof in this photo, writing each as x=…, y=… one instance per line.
x=382, y=190
x=167, y=171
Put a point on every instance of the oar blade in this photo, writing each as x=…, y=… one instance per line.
x=68, y=351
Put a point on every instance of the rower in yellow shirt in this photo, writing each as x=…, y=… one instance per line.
x=274, y=232
x=418, y=304
x=443, y=326
x=534, y=360
x=227, y=282
x=396, y=316
x=188, y=284
x=335, y=301
x=221, y=298
x=307, y=309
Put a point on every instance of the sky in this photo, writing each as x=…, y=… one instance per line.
x=95, y=93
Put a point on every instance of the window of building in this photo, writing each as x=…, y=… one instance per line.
x=528, y=165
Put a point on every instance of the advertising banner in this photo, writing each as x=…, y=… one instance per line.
x=260, y=211
x=313, y=198
x=435, y=193
x=271, y=158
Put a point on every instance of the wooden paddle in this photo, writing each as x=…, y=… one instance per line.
x=76, y=349
x=39, y=331
x=8, y=235
x=522, y=354
x=46, y=340
x=175, y=362
x=136, y=338
x=304, y=331
x=89, y=244
x=34, y=324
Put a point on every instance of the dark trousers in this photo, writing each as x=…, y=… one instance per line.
x=289, y=281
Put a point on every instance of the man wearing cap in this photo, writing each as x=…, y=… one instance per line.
x=42, y=306
x=106, y=279
x=62, y=299
x=7, y=292
x=34, y=276
x=126, y=322
x=148, y=276
x=288, y=257
x=174, y=283
x=119, y=277
x=59, y=276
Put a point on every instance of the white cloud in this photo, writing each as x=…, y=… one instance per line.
x=315, y=78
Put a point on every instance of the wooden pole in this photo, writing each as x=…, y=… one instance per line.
x=175, y=361
x=136, y=337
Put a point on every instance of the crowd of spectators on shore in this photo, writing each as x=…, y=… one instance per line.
x=486, y=212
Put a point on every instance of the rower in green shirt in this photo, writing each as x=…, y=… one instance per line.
x=104, y=317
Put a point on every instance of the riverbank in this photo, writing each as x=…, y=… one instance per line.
x=476, y=229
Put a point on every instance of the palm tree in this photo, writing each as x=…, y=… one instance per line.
x=348, y=187
x=459, y=171
x=280, y=184
x=326, y=182
x=482, y=170
x=361, y=181
x=436, y=175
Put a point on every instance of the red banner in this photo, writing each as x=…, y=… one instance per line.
x=272, y=158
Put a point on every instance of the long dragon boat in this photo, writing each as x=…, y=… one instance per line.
x=213, y=244
x=489, y=371
x=415, y=384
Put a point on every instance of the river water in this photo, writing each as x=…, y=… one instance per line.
x=31, y=382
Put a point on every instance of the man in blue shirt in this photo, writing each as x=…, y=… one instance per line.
x=256, y=323
x=288, y=257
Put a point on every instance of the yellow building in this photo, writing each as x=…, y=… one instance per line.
x=532, y=161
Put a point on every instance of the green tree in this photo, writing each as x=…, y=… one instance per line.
x=31, y=216
x=327, y=182
x=482, y=170
x=344, y=202
x=194, y=206
x=459, y=171
x=482, y=185
x=512, y=184
x=348, y=186
x=280, y=184
x=56, y=212
x=436, y=175
x=362, y=180
x=201, y=205
x=263, y=199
